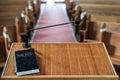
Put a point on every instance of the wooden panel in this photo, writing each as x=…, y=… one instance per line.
x=112, y=42
x=11, y=8
x=93, y=32
x=7, y=17
x=8, y=14
x=11, y=32
x=113, y=27
x=113, y=2
x=7, y=22
x=105, y=18
x=2, y=52
x=112, y=38
x=62, y=77
x=66, y=61
x=102, y=9
x=103, y=12
x=12, y=2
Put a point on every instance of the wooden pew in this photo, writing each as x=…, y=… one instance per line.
x=93, y=32
x=13, y=2
x=107, y=13
x=11, y=8
x=112, y=2
x=105, y=18
x=7, y=40
x=7, y=22
x=10, y=24
x=8, y=13
x=112, y=42
x=70, y=7
x=14, y=28
x=31, y=16
x=102, y=9
x=2, y=52
x=12, y=33
x=111, y=38
x=20, y=30
x=7, y=16
x=36, y=8
x=103, y=12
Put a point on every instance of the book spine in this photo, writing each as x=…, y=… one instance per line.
x=15, y=63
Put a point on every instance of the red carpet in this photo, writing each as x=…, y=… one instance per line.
x=53, y=14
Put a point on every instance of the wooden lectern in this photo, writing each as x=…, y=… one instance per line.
x=65, y=61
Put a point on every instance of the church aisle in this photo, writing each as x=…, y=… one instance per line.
x=53, y=13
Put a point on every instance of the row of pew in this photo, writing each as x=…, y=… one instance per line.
x=16, y=18
x=95, y=31
x=102, y=10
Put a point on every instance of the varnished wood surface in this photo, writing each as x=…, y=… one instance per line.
x=101, y=9
x=2, y=52
x=112, y=2
x=105, y=18
x=103, y=12
x=112, y=42
x=11, y=8
x=93, y=32
x=113, y=28
x=65, y=60
x=13, y=2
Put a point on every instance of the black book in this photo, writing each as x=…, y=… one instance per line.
x=25, y=62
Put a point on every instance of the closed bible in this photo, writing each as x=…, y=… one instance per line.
x=25, y=62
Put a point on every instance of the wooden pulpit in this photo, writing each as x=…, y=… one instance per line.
x=65, y=61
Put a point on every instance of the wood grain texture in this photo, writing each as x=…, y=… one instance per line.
x=65, y=61
x=101, y=9
x=13, y=2
x=93, y=32
x=102, y=12
x=112, y=2
x=105, y=18
x=112, y=42
x=61, y=77
x=2, y=52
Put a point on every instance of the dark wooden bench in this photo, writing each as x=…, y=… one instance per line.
x=94, y=32
x=2, y=52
